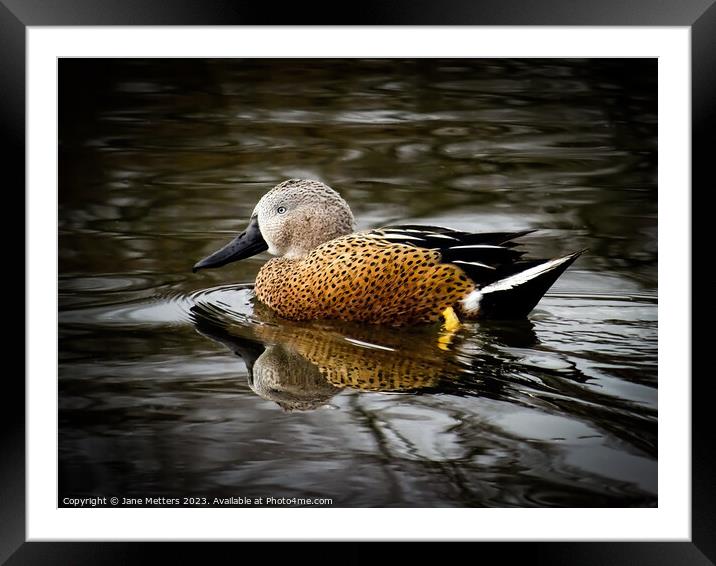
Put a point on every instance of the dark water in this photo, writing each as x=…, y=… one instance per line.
x=174, y=384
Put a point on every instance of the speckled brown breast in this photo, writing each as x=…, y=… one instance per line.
x=361, y=278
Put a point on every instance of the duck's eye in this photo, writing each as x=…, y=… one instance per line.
x=281, y=209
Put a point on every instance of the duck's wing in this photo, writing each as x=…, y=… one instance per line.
x=485, y=257
x=507, y=286
x=439, y=237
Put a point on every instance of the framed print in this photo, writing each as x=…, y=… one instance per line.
x=537, y=389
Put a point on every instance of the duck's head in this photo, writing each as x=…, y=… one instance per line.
x=292, y=219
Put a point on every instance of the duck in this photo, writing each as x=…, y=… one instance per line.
x=396, y=275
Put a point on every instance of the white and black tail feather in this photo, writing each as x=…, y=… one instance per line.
x=516, y=295
x=507, y=285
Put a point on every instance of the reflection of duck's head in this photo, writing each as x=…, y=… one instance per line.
x=290, y=380
x=274, y=372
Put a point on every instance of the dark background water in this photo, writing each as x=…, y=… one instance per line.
x=174, y=384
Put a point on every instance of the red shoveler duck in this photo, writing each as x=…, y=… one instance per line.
x=397, y=275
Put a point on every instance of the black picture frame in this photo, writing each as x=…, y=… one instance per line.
x=17, y=15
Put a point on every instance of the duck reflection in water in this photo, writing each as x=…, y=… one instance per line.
x=302, y=365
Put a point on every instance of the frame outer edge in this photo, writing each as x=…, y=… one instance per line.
x=370, y=12
x=703, y=124
x=12, y=76
x=12, y=415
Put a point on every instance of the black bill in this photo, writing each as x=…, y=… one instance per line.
x=249, y=243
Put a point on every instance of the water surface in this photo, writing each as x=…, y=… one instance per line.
x=177, y=384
